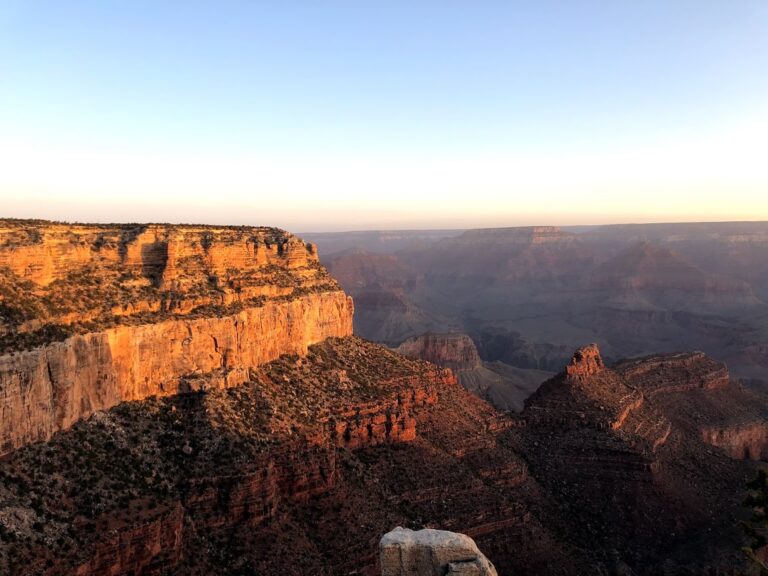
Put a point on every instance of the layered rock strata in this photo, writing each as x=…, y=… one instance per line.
x=353, y=435
x=455, y=351
x=95, y=315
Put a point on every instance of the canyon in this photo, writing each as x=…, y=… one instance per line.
x=529, y=296
x=192, y=400
x=504, y=386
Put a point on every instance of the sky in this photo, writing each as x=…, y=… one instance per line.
x=320, y=115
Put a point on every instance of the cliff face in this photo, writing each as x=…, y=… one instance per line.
x=50, y=387
x=93, y=316
x=455, y=351
x=504, y=386
x=44, y=252
x=749, y=441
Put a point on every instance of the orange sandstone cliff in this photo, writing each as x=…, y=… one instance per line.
x=91, y=316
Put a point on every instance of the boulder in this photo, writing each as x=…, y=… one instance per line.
x=431, y=553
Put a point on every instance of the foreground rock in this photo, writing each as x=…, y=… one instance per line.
x=431, y=553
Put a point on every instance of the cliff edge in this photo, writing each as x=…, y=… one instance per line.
x=91, y=316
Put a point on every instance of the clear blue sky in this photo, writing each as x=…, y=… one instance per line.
x=334, y=115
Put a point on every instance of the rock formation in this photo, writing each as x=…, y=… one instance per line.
x=504, y=386
x=586, y=362
x=645, y=454
x=272, y=477
x=355, y=436
x=452, y=350
x=429, y=552
x=93, y=316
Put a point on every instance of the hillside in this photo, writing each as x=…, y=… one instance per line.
x=648, y=459
x=299, y=470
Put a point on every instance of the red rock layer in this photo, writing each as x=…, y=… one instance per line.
x=586, y=361
x=150, y=547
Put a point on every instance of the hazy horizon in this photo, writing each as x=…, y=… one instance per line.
x=358, y=117
x=426, y=228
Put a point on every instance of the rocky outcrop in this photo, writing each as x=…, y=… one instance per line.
x=630, y=448
x=748, y=441
x=452, y=350
x=431, y=553
x=586, y=361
